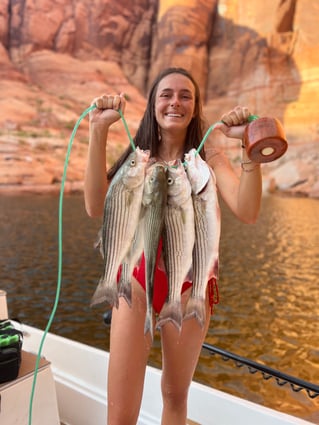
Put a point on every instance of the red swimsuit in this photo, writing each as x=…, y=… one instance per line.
x=160, y=290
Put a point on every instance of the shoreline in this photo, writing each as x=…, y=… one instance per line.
x=70, y=188
x=76, y=188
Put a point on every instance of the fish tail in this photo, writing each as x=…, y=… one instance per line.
x=125, y=291
x=171, y=312
x=148, y=325
x=105, y=293
x=196, y=308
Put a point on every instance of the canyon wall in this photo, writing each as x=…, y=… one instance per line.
x=55, y=58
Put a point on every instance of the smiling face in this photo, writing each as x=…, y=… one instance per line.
x=175, y=103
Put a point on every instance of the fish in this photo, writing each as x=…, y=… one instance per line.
x=122, y=207
x=197, y=170
x=130, y=260
x=207, y=219
x=153, y=204
x=98, y=242
x=178, y=241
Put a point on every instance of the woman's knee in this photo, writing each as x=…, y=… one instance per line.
x=174, y=396
x=118, y=415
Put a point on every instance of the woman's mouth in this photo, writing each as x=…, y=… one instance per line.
x=172, y=115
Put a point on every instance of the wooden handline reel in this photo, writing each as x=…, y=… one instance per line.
x=264, y=139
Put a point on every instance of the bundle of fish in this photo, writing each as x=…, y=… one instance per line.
x=149, y=201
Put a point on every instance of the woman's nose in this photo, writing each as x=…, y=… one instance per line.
x=175, y=100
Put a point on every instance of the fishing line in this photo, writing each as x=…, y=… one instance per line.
x=211, y=128
x=60, y=234
x=127, y=130
x=58, y=290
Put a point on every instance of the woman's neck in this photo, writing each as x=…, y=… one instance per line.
x=171, y=148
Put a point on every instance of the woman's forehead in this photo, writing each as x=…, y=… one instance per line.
x=177, y=82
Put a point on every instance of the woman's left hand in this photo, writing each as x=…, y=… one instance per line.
x=234, y=122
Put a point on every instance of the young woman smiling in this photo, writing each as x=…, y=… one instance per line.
x=172, y=124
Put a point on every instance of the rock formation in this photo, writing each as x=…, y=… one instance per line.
x=55, y=58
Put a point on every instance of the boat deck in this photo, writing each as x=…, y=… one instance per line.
x=80, y=387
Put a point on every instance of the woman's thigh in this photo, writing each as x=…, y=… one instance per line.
x=129, y=351
x=181, y=350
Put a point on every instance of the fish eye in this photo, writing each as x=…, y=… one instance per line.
x=133, y=162
x=170, y=181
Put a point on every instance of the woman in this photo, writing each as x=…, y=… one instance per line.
x=172, y=124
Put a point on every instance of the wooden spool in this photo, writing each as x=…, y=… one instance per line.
x=265, y=140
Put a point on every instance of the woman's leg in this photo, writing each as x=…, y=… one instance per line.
x=129, y=351
x=180, y=356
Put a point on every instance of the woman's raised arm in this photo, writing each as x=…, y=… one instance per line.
x=242, y=194
x=95, y=180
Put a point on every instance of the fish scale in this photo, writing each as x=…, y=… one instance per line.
x=154, y=203
x=121, y=216
x=114, y=237
x=207, y=234
x=178, y=242
x=129, y=262
x=174, y=253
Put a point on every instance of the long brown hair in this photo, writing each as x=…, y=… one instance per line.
x=147, y=137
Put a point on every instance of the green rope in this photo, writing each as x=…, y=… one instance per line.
x=127, y=130
x=252, y=118
x=211, y=128
x=59, y=260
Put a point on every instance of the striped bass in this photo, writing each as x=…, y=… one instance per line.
x=178, y=242
x=129, y=262
x=207, y=233
x=154, y=204
x=121, y=216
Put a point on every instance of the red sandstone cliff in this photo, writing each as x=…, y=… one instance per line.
x=54, y=58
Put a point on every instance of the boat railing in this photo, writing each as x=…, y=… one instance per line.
x=296, y=384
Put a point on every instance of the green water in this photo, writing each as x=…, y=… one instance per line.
x=269, y=290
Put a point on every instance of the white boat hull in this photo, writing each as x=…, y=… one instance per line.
x=80, y=374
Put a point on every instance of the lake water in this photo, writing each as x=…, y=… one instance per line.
x=269, y=290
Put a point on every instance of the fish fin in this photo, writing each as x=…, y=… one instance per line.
x=161, y=263
x=148, y=325
x=124, y=284
x=196, y=308
x=105, y=293
x=125, y=291
x=98, y=242
x=171, y=312
x=189, y=276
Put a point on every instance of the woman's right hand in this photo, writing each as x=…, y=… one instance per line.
x=106, y=111
x=234, y=122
